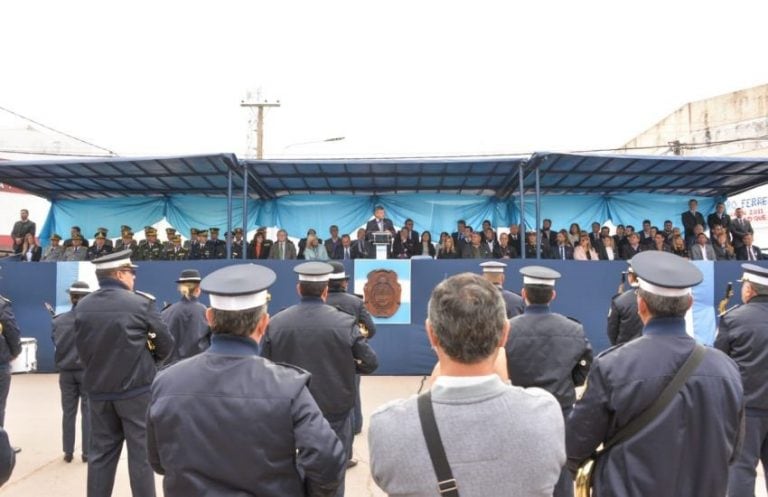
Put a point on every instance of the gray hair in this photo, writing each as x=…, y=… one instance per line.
x=665, y=307
x=467, y=314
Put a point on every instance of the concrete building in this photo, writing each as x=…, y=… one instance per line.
x=734, y=124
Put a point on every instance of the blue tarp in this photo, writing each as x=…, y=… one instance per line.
x=297, y=213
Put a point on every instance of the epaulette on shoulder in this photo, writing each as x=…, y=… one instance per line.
x=291, y=366
x=729, y=310
x=145, y=295
x=166, y=305
x=5, y=300
x=571, y=318
x=611, y=349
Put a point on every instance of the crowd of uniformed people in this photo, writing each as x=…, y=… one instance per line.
x=232, y=410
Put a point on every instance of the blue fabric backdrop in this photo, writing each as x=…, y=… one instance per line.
x=297, y=213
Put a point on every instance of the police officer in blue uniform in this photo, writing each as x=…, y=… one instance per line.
x=326, y=342
x=71, y=375
x=353, y=305
x=547, y=350
x=186, y=319
x=119, y=336
x=624, y=323
x=493, y=271
x=10, y=348
x=686, y=448
x=7, y=457
x=228, y=422
x=743, y=336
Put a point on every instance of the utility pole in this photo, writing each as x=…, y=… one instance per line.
x=258, y=105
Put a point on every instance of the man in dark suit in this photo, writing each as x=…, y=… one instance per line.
x=402, y=248
x=594, y=236
x=379, y=223
x=630, y=249
x=740, y=226
x=476, y=249
x=718, y=218
x=413, y=234
x=362, y=248
x=691, y=218
x=748, y=252
x=20, y=230
x=459, y=233
x=561, y=249
x=333, y=244
x=547, y=236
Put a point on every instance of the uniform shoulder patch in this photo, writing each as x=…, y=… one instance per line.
x=145, y=295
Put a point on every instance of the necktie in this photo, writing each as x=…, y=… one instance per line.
x=282, y=251
x=346, y=253
x=381, y=226
x=751, y=254
x=562, y=252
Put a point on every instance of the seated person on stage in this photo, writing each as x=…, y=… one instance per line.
x=283, y=249
x=678, y=247
x=476, y=249
x=448, y=250
x=258, y=249
x=303, y=242
x=702, y=250
x=608, y=250
x=490, y=241
x=362, y=248
x=345, y=252
x=333, y=244
x=724, y=251
x=748, y=252
x=403, y=248
x=425, y=247
x=504, y=250
x=530, y=246
x=314, y=251
x=632, y=248
x=584, y=250
x=562, y=248
x=659, y=243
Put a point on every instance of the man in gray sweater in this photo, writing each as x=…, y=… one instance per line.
x=498, y=439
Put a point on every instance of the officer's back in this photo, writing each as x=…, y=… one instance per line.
x=545, y=349
x=623, y=322
x=326, y=342
x=228, y=422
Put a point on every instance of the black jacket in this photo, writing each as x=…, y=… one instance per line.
x=63, y=336
x=326, y=342
x=624, y=323
x=112, y=326
x=7, y=457
x=229, y=423
x=187, y=324
x=10, y=345
x=742, y=335
x=549, y=351
x=353, y=305
x=686, y=449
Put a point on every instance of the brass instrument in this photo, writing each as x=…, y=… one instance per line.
x=151, y=335
x=723, y=305
x=363, y=328
x=584, y=478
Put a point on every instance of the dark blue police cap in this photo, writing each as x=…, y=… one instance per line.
x=189, y=275
x=313, y=271
x=539, y=275
x=665, y=274
x=238, y=287
x=115, y=260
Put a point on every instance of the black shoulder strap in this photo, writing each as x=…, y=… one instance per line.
x=669, y=393
x=446, y=484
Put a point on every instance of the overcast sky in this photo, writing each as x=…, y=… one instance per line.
x=394, y=78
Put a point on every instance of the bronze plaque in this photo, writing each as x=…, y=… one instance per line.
x=382, y=293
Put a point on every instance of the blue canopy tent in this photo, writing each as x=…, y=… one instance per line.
x=435, y=192
x=220, y=190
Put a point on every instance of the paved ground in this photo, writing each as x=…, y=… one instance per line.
x=34, y=422
x=34, y=416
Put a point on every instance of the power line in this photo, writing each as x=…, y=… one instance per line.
x=111, y=152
